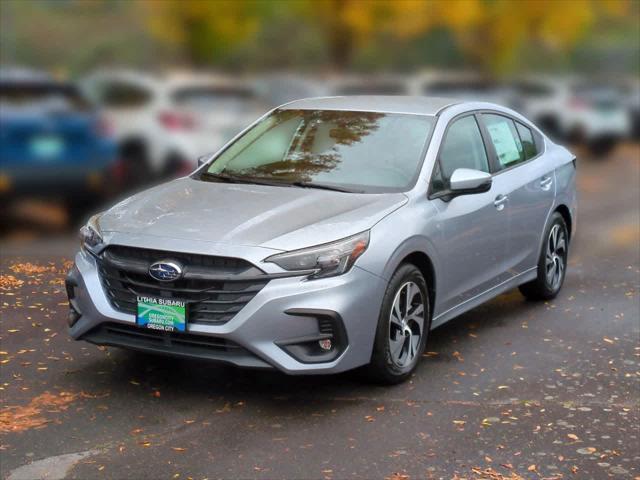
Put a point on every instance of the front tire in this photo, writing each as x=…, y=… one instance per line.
x=403, y=327
x=552, y=264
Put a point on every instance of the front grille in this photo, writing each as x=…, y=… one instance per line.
x=215, y=288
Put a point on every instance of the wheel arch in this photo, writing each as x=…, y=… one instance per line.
x=425, y=265
x=563, y=210
x=417, y=249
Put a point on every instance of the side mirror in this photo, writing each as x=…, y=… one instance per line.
x=466, y=180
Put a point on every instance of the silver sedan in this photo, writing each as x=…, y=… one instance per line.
x=333, y=233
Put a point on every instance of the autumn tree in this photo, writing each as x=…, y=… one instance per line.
x=490, y=33
x=203, y=31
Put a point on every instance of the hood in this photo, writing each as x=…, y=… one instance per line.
x=280, y=218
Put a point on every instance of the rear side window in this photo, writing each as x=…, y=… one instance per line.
x=528, y=143
x=505, y=139
x=533, y=90
x=124, y=95
x=41, y=95
x=462, y=147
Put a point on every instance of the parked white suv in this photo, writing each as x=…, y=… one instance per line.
x=465, y=85
x=578, y=109
x=164, y=123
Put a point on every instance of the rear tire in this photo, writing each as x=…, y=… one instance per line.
x=174, y=167
x=405, y=315
x=80, y=207
x=602, y=147
x=550, y=126
x=135, y=162
x=552, y=264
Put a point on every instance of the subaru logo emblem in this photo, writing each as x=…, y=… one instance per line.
x=166, y=270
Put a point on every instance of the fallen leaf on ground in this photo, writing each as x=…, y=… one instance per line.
x=18, y=419
x=8, y=282
x=398, y=476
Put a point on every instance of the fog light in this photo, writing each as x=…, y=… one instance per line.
x=325, y=344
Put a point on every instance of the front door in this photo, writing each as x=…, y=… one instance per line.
x=474, y=229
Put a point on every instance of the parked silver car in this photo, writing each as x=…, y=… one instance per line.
x=333, y=233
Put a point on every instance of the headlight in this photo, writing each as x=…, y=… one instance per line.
x=90, y=236
x=326, y=260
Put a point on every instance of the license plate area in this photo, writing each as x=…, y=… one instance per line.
x=46, y=146
x=164, y=314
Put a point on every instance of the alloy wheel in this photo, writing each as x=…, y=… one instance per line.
x=406, y=324
x=556, y=257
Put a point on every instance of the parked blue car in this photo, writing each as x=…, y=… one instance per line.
x=52, y=143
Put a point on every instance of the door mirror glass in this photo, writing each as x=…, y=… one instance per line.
x=467, y=180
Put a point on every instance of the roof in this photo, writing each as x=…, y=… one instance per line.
x=375, y=103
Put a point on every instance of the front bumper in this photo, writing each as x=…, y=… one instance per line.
x=269, y=332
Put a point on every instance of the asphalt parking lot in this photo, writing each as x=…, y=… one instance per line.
x=512, y=389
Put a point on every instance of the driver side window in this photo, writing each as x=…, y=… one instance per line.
x=462, y=147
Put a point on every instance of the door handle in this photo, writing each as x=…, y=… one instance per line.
x=500, y=201
x=545, y=183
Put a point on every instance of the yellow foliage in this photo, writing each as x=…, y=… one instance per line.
x=228, y=21
x=489, y=32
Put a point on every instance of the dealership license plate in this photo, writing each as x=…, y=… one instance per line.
x=46, y=146
x=164, y=314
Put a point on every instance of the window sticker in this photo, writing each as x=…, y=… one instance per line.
x=506, y=146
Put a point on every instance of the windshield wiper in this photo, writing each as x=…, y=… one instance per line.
x=248, y=180
x=259, y=181
x=220, y=176
x=324, y=186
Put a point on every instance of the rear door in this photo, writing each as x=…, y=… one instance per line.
x=474, y=227
x=528, y=180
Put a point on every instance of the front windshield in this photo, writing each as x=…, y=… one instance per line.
x=354, y=151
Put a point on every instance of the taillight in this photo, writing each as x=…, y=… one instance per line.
x=577, y=102
x=176, y=121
